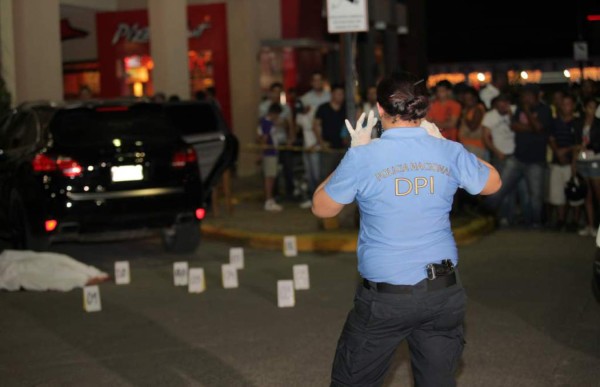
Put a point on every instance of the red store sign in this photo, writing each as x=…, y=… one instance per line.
x=123, y=38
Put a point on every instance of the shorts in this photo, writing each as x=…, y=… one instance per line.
x=589, y=169
x=269, y=164
x=559, y=176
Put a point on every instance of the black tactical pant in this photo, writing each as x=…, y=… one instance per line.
x=431, y=322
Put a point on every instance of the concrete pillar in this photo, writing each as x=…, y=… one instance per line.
x=249, y=21
x=169, y=46
x=7, y=48
x=38, y=63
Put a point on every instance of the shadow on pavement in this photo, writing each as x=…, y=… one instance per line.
x=133, y=347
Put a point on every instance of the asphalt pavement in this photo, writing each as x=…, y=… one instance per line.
x=531, y=320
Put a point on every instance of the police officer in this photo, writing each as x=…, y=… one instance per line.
x=404, y=184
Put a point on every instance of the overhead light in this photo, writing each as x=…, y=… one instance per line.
x=567, y=73
x=481, y=77
x=50, y=225
x=524, y=75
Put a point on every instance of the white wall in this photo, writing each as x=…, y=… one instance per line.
x=80, y=49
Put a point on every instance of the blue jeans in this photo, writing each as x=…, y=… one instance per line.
x=508, y=206
x=312, y=169
x=533, y=174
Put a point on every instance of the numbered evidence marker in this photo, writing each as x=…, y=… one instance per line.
x=122, y=274
x=91, y=299
x=290, y=246
x=285, y=294
x=180, y=273
x=229, y=275
x=236, y=257
x=301, y=277
x=196, y=282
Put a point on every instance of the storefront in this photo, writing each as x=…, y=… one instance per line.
x=125, y=62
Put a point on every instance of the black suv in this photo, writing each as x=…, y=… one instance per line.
x=108, y=170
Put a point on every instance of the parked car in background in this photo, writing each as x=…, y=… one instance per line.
x=106, y=170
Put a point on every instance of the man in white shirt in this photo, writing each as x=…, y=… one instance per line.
x=311, y=101
x=493, y=89
x=497, y=134
x=317, y=96
x=499, y=138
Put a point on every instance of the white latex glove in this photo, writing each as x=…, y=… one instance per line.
x=360, y=135
x=431, y=129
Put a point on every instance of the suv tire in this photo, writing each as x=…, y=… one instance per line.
x=182, y=238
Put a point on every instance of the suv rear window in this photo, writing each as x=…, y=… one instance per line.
x=193, y=117
x=92, y=126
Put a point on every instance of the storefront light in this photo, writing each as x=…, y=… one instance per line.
x=524, y=75
x=138, y=89
x=481, y=77
x=567, y=73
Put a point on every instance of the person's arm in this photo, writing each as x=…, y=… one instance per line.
x=493, y=182
x=450, y=123
x=560, y=153
x=317, y=130
x=518, y=126
x=475, y=122
x=323, y=205
x=291, y=129
x=534, y=122
x=488, y=141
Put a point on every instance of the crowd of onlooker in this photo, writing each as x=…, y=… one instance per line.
x=540, y=140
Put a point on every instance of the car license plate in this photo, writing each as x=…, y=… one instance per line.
x=127, y=173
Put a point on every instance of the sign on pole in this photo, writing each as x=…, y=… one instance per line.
x=347, y=16
x=580, y=51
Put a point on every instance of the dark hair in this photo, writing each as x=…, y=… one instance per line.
x=275, y=108
x=444, y=83
x=472, y=91
x=501, y=97
x=211, y=90
x=337, y=86
x=200, y=95
x=402, y=94
x=570, y=96
x=275, y=85
x=174, y=98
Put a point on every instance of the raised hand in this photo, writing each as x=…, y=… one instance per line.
x=361, y=135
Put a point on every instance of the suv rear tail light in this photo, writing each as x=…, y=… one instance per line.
x=200, y=213
x=43, y=163
x=68, y=166
x=183, y=157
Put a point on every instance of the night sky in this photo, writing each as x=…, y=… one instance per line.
x=509, y=29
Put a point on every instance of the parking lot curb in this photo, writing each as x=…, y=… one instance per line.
x=329, y=242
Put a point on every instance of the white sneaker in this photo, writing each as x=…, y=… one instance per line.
x=306, y=204
x=587, y=231
x=271, y=205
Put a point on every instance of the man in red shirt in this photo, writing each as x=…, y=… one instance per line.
x=445, y=111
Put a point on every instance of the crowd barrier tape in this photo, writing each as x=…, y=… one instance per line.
x=292, y=148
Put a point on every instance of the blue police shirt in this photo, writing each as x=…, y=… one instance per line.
x=404, y=184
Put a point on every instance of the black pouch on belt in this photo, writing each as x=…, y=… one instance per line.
x=435, y=270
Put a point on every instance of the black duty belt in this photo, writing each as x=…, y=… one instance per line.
x=430, y=285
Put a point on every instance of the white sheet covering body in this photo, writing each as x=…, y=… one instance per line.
x=41, y=271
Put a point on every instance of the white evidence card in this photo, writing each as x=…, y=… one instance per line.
x=285, y=294
x=122, y=273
